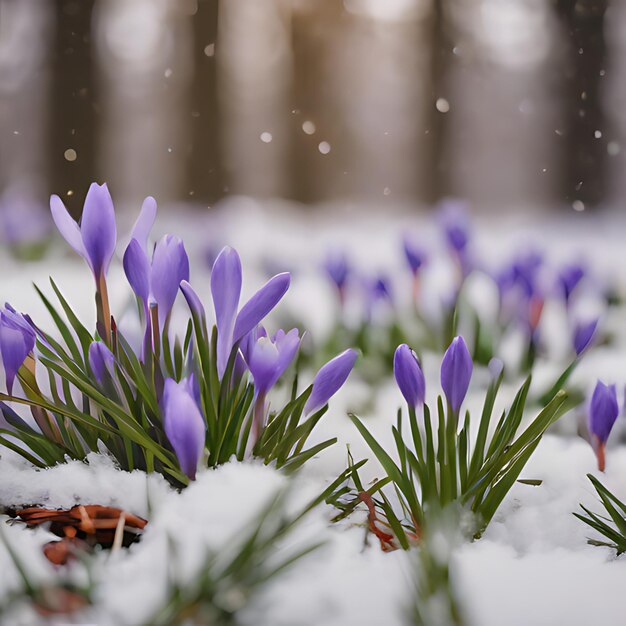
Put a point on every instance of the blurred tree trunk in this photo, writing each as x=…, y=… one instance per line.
x=204, y=157
x=73, y=112
x=584, y=127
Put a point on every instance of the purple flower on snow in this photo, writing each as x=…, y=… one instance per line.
x=603, y=411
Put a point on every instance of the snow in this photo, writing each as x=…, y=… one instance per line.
x=532, y=566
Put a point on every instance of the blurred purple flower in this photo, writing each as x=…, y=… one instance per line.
x=455, y=223
x=414, y=254
x=184, y=424
x=583, y=335
x=456, y=372
x=409, y=375
x=101, y=360
x=603, y=411
x=495, y=367
x=23, y=218
x=226, y=278
x=568, y=279
x=337, y=269
x=96, y=236
x=157, y=282
x=329, y=379
x=17, y=341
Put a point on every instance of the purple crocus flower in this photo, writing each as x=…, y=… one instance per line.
x=101, y=360
x=226, y=290
x=603, y=411
x=157, y=282
x=456, y=372
x=269, y=357
x=377, y=289
x=96, y=236
x=337, y=268
x=583, y=335
x=414, y=255
x=17, y=341
x=184, y=424
x=455, y=224
x=329, y=379
x=409, y=375
x=568, y=279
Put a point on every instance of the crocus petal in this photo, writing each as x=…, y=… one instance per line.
x=226, y=290
x=66, y=225
x=456, y=372
x=409, y=375
x=145, y=221
x=137, y=269
x=193, y=300
x=262, y=362
x=16, y=343
x=287, y=345
x=184, y=425
x=101, y=360
x=170, y=266
x=329, y=379
x=98, y=228
x=603, y=411
x=260, y=304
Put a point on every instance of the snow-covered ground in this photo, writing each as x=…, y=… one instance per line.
x=532, y=566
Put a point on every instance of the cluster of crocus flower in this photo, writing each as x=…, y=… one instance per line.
x=245, y=354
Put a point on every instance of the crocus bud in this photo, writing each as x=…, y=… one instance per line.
x=96, y=236
x=101, y=360
x=583, y=335
x=603, y=411
x=170, y=266
x=409, y=375
x=456, y=372
x=329, y=379
x=184, y=425
x=17, y=341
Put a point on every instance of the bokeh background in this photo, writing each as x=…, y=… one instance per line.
x=515, y=105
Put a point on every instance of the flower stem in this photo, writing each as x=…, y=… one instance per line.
x=103, y=309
